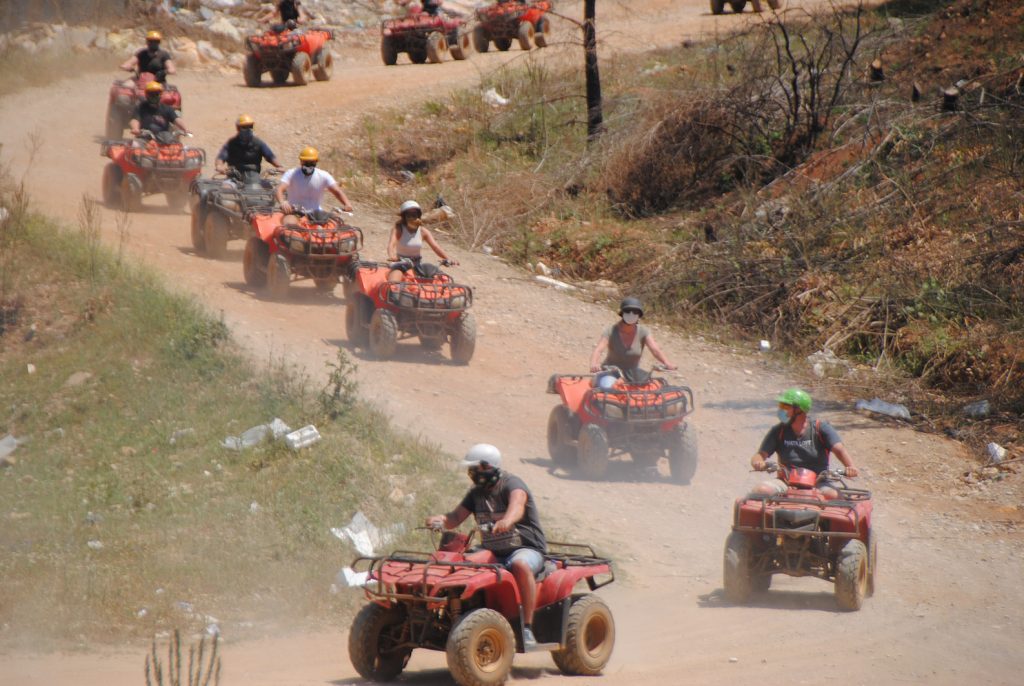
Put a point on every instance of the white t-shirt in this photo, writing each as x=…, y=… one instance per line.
x=305, y=191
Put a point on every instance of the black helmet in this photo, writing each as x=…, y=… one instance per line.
x=631, y=304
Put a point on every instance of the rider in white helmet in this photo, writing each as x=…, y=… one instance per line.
x=503, y=501
x=408, y=236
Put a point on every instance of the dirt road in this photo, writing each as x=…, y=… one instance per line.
x=948, y=608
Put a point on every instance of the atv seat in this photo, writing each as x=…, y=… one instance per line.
x=796, y=519
x=549, y=567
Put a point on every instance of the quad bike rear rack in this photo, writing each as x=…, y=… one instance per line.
x=426, y=297
x=852, y=497
x=639, y=408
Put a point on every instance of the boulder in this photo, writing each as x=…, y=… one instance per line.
x=208, y=52
x=81, y=37
x=236, y=60
x=121, y=41
x=223, y=26
x=185, y=52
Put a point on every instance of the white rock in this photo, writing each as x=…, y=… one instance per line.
x=492, y=98
x=209, y=53
x=996, y=452
x=223, y=26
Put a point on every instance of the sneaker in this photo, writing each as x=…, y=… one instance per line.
x=529, y=641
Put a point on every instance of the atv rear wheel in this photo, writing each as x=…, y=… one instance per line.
x=463, y=338
x=480, y=649
x=737, y=5
x=254, y=262
x=112, y=177
x=736, y=577
x=131, y=193
x=372, y=639
x=324, y=66
x=682, y=454
x=562, y=452
x=388, y=51
x=215, y=235
x=383, y=333
x=481, y=40
x=279, y=276
x=302, y=69
x=503, y=44
x=418, y=55
x=717, y=6
x=589, y=638
x=437, y=46
x=358, y=309
x=525, y=34
x=542, y=32
x=251, y=71
x=115, y=123
x=852, y=575
x=198, y=219
x=279, y=76
x=458, y=44
x=592, y=451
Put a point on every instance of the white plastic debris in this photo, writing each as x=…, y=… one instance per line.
x=364, y=536
x=8, y=444
x=881, y=407
x=492, y=98
x=351, y=577
x=95, y=545
x=825, y=363
x=256, y=435
x=30, y=368
x=4, y=214
x=764, y=346
x=142, y=613
x=996, y=452
x=555, y=283
x=254, y=507
x=300, y=438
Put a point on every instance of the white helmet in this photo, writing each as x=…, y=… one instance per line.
x=409, y=205
x=482, y=453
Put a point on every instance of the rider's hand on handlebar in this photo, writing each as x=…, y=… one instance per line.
x=501, y=526
x=758, y=464
x=435, y=522
x=449, y=262
x=851, y=471
x=286, y=207
x=595, y=368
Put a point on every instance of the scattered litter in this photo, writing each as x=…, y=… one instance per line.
x=733, y=660
x=212, y=629
x=254, y=507
x=492, y=98
x=95, y=545
x=351, y=578
x=364, y=536
x=996, y=452
x=8, y=444
x=560, y=285
x=824, y=363
x=300, y=438
x=487, y=250
x=142, y=613
x=30, y=368
x=881, y=407
x=764, y=346
x=182, y=435
x=978, y=409
x=256, y=435
x=657, y=67
x=541, y=268
x=4, y=214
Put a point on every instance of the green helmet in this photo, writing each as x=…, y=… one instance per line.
x=797, y=398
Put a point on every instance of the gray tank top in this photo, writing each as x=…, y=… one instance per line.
x=410, y=243
x=618, y=354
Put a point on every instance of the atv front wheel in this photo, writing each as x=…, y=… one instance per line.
x=872, y=561
x=388, y=51
x=737, y=5
x=383, y=333
x=736, y=577
x=372, y=642
x=279, y=276
x=717, y=6
x=775, y=4
x=302, y=69
x=131, y=193
x=589, y=638
x=852, y=575
x=254, y=262
x=503, y=44
x=112, y=178
x=279, y=76
x=251, y=71
x=418, y=55
x=525, y=34
x=481, y=41
x=324, y=67
x=198, y=219
x=458, y=44
x=115, y=123
x=592, y=451
x=562, y=453
x=542, y=32
x=480, y=649
x=464, y=338
x=358, y=310
x=682, y=454
x=215, y=235
x=437, y=46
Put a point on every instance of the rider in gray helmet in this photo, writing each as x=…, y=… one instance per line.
x=622, y=345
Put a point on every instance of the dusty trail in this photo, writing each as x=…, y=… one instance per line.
x=948, y=607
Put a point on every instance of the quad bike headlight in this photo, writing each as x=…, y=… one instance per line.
x=347, y=245
x=297, y=245
x=146, y=162
x=458, y=301
x=673, y=409
x=614, y=411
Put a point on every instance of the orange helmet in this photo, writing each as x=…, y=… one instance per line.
x=154, y=35
x=309, y=154
x=154, y=87
x=245, y=122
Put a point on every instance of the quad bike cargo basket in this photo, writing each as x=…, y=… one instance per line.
x=654, y=402
x=318, y=241
x=435, y=297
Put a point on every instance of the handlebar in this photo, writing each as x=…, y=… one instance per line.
x=773, y=466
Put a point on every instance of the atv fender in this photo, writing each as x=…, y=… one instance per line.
x=572, y=388
x=266, y=225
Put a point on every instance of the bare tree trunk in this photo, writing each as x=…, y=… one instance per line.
x=594, y=116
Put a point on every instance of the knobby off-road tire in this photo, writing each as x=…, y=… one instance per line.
x=215, y=235
x=383, y=333
x=525, y=34
x=112, y=178
x=562, y=453
x=682, y=455
x=418, y=55
x=775, y=4
x=131, y=193
x=251, y=71
x=481, y=40
x=279, y=76
x=717, y=6
x=736, y=577
x=323, y=68
x=589, y=638
x=852, y=575
x=388, y=51
x=872, y=561
x=357, y=307
x=364, y=643
x=196, y=228
x=458, y=44
x=115, y=122
x=737, y=5
x=503, y=44
x=463, y=338
x=279, y=276
x=254, y=262
x=437, y=46
x=480, y=649
x=302, y=69
x=592, y=451
x=542, y=33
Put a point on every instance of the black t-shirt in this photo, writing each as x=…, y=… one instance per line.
x=809, y=451
x=245, y=156
x=153, y=62
x=490, y=504
x=288, y=10
x=431, y=7
x=155, y=118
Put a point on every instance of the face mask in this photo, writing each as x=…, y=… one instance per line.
x=245, y=135
x=782, y=415
x=630, y=317
x=485, y=479
x=153, y=99
x=153, y=47
x=308, y=171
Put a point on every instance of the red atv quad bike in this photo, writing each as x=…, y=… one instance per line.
x=221, y=204
x=460, y=601
x=800, y=533
x=718, y=6
x=148, y=165
x=508, y=21
x=425, y=38
x=646, y=420
x=426, y=303
x=285, y=50
x=320, y=246
x=125, y=96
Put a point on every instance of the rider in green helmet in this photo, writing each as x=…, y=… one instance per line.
x=800, y=441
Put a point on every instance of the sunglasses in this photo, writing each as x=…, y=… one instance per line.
x=631, y=312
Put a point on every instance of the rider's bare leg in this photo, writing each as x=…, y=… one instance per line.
x=527, y=584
